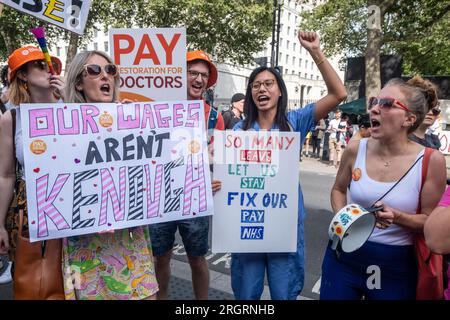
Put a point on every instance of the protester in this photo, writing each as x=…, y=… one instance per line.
x=29, y=82
x=236, y=111
x=4, y=98
x=265, y=105
x=202, y=74
x=420, y=135
x=317, y=137
x=116, y=265
x=337, y=129
x=385, y=170
x=364, y=128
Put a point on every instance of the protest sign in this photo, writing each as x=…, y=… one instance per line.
x=152, y=63
x=95, y=167
x=256, y=208
x=444, y=138
x=68, y=14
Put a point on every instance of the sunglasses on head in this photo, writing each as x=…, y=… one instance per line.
x=387, y=103
x=94, y=70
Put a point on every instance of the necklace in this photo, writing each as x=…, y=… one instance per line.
x=387, y=163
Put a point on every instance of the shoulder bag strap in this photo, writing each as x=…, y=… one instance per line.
x=399, y=180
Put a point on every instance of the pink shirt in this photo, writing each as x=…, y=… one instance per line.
x=445, y=200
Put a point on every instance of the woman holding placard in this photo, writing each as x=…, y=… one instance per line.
x=115, y=264
x=265, y=107
x=386, y=171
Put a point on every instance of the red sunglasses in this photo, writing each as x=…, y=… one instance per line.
x=387, y=103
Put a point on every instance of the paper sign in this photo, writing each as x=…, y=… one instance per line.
x=94, y=167
x=68, y=14
x=152, y=63
x=256, y=209
x=444, y=137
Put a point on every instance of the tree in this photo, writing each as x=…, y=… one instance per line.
x=417, y=30
x=229, y=30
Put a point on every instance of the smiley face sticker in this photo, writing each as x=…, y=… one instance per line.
x=106, y=120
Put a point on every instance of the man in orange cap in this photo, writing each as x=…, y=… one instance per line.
x=201, y=74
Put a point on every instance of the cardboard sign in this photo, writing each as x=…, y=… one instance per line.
x=152, y=63
x=68, y=14
x=95, y=167
x=256, y=208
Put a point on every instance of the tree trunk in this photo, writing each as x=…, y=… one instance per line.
x=10, y=40
x=372, y=58
x=73, y=47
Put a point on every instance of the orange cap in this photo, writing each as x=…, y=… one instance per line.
x=26, y=54
x=200, y=55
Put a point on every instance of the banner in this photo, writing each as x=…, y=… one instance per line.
x=68, y=14
x=152, y=63
x=95, y=167
x=444, y=137
x=256, y=208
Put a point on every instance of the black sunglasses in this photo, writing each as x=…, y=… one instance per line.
x=435, y=111
x=94, y=70
x=42, y=65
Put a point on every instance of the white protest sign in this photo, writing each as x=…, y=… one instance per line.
x=68, y=14
x=152, y=63
x=444, y=138
x=256, y=208
x=94, y=167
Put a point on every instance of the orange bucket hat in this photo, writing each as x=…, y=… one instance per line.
x=200, y=55
x=26, y=54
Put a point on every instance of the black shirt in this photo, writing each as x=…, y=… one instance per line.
x=430, y=141
x=230, y=119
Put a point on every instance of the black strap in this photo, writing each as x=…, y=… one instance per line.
x=398, y=181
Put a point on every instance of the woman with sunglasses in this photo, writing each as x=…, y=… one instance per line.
x=30, y=81
x=420, y=135
x=385, y=170
x=265, y=107
x=119, y=263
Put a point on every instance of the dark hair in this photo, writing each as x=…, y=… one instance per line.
x=364, y=121
x=250, y=109
x=4, y=76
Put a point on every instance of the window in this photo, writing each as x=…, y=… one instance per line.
x=58, y=51
x=295, y=45
x=287, y=59
x=288, y=30
x=95, y=33
x=281, y=42
x=67, y=49
x=317, y=77
x=95, y=46
x=287, y=44
x=300, y=62
x=306, y=75
x=293, y=72
x=289, y=16
x=306, y=64
x=312, y=65
x=106, y=46
x=293, y=61
x=287, y=70
x=312, y=76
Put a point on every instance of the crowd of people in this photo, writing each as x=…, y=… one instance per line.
x=385, y=144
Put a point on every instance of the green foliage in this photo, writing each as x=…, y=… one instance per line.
x=417, y=30
x=229, y=30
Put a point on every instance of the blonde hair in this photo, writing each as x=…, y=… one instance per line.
x=420, y=94
x=18, y=92
x=74, y=77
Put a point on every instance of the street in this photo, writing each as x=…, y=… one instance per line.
x=316, y=184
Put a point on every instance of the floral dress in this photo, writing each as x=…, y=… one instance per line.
x=109, y=266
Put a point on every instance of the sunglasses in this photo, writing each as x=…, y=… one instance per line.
x=387, y=103
x=94, y=70
x=42, y=65
x=435, y=111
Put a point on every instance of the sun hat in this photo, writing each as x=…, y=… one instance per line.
x=26, y=54
x=200, y=55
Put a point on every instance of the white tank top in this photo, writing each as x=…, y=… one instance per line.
x=18, y=140
x=404, y=197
